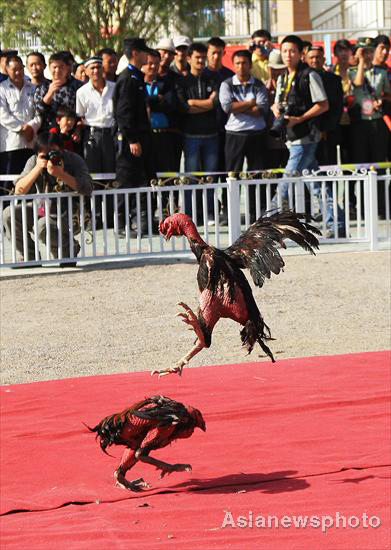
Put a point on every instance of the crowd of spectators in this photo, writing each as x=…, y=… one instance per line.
x=280, y=107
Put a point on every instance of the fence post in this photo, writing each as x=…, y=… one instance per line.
x=233, y=195
x=299, y=195
x=372, y=210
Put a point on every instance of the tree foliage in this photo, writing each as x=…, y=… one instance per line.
x=85, y=26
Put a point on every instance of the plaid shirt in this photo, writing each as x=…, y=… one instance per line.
x=64, y=96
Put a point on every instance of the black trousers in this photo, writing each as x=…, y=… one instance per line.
x=178, y=147
x=370, y=144
x=251, y=146
x=134, y=171
x=99, y=149
x=99, y=154
x=346, y=144
x=276, y=158
x=369, y=140
x=12, y=162
x=326, y=152
x=222, y=168
x=165, y=149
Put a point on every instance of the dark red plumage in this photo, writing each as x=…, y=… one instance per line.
x=225, y=291
x=143, y=427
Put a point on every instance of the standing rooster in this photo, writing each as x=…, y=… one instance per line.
x=225, y=291
x=144, y=427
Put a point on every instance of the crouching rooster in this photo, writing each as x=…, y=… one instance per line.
x=144, y=427
x=225, y=291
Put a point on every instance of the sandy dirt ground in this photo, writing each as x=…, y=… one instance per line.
x=109, y=319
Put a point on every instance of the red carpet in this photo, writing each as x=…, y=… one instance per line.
x=302, y=437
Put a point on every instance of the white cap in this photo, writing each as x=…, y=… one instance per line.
x=165, y=44
x=275, y=60
x=181, y=41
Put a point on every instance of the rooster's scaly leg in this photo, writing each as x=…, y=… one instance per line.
x=190, y=318
x=128, y=461
x=165, y=468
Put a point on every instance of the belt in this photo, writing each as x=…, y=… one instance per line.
x=164, y=130
x=97, y=130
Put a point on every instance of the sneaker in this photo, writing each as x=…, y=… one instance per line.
x=331, y=235
x=24, y=266
x=76, y=250
x=224, y=219
x=132, y=233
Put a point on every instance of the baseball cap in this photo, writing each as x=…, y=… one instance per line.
x=166, y=44
x=181, y=41
x=275, y=60
x=365, y=42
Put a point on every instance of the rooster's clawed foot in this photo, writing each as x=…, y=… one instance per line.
x=170, y=370
x=190, y=318
x=169, y=468
x=137, y=485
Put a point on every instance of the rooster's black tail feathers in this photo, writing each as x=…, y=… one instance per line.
x=256, y=332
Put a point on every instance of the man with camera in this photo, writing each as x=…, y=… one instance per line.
x=51, y=169
x=369, y=132
x=260, y=48
x=300, y=101
x=370, y=88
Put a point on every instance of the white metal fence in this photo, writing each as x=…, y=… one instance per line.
x=62, y=227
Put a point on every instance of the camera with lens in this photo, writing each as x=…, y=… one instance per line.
x=280, y=122
x=55, y=157
x=262, y=49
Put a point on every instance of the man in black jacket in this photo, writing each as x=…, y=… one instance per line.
x=134, y=166
x=329, y=121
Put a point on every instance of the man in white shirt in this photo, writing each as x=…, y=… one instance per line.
x=18, y=123
x=245, y=100
x=94, y=104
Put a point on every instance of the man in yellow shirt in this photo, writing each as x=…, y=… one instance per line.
x=260, y=47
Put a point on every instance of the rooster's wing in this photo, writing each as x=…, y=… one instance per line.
x=163, y=411
x=256, y=248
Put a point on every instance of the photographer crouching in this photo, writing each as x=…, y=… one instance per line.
x=51, y=169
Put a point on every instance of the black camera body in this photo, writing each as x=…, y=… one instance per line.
x=280, y=122
x=262, y=49
x=55, y=157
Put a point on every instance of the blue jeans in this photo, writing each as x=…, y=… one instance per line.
x=303, y=157
x=201, y=154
